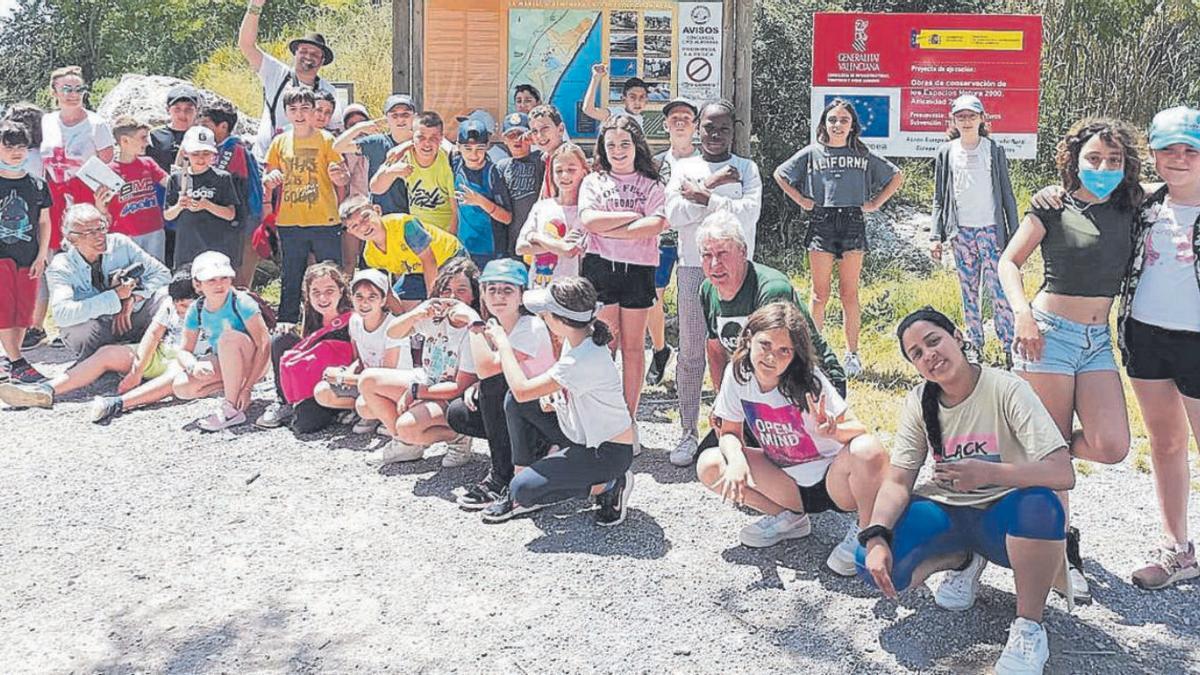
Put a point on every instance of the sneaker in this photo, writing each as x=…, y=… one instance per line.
x=458, y=452
x=5, y=368
x=685, y=453
x=480, y=495
x=23, y=371
x=841, y=558
x=104, y=408
x=958, y=588
x=614, y=502
x=27, y=395
x=57, y=343
x=1080, y=592
x=504, y=508
x=1027, y=649
x=365, y=426
x=1167, y=565
x=33, y=338
x=225, y=416
x=770, y=530
x=658, y=365
x=276, y=415
x=381, y=430
x=852, y=364
x=396, y=451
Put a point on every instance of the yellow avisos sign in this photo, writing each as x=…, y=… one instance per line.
x=981, y=40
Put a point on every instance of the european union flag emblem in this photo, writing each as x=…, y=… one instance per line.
x=874, y=112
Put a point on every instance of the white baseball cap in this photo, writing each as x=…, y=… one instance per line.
x=967, y=102
x=372, y=276
x=212, y=265
x=199, y=139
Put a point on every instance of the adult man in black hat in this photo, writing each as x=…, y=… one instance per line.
x=309, y=53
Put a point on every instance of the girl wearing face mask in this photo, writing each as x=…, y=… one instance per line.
x=1062, y=345
x=1159, y=332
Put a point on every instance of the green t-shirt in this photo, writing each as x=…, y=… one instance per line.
x=763, y=285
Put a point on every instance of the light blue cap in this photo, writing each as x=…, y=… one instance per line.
x=1180, y=124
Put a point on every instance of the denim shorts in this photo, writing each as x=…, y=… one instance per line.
x=1070, y=347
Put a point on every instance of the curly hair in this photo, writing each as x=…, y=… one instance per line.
x=1114, y=133
x=643, y=159
x=454, y=267
x=800, y=377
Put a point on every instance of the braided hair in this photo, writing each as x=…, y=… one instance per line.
x=932, y=392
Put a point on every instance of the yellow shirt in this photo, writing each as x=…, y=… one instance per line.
x=430, y=190
x=406, y=238
x=309, y=197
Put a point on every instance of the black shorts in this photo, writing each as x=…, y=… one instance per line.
x=837, y=230
x=624, y=284
x=1153, y=353
x=816, y=499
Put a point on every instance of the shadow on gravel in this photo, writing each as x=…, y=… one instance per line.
x=662, y=470
x=44, y=354
x=805, y=558
x=567, y=529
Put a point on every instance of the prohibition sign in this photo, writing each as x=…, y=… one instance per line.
x=699, y=69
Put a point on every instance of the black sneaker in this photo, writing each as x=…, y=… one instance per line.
x=614, y=504
x=480, y=495
x=57, y=343
x=504, y=508
x=104, y=408
x=33, y=338
x=5, y=368
x=23, y=371
x=658, y=365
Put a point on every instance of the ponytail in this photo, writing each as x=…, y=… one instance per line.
x=601, y=334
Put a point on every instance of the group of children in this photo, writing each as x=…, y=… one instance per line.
x=432, y=294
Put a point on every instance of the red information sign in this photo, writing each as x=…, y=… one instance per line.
x=901, y=71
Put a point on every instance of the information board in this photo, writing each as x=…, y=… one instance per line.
x=902, y=71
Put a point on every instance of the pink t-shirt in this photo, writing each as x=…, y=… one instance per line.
x=604, y=191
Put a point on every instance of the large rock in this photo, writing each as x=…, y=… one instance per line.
x=145, y=98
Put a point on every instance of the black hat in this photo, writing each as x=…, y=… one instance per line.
x=316, y=40
x=183, y=92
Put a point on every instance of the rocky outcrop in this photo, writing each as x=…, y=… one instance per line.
x=145, y=98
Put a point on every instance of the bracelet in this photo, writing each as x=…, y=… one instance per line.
x=873, y=531
x=415, y=387
x=253, y=9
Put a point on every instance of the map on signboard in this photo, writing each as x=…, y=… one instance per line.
x=554, y=49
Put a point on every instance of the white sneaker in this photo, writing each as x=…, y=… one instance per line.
x=396, y=451
x=458, y=452
x=364, y=426
x=1027, y=650
x=958, y=588
x=225, y=416
x=841, y=558
x=852, y=364
x=770, y=530
x=276, y=415
x=685, y=453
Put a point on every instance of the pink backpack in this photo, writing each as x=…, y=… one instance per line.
x=302, y=366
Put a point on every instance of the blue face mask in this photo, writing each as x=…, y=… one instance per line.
x=5, y=166
x=1101, y=182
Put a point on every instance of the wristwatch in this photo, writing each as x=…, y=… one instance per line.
x=872, y=531
x=413, y=392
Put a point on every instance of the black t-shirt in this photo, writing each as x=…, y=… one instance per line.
x=200, y=231
x=524, y=179
x=21, y=204
x=164, y=146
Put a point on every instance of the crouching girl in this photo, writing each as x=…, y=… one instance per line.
x=998, y=458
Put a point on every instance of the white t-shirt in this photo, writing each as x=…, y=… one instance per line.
x=1167, y=294
x=591, y=409
x=973, y=183
x=65, y=148
x=530, y=340
x=551, y=217
x=442, y=347
x=786, y=433
x=618, y=110
x=273, y=73
x=743, y=200
x=373, y=345
x=33, y=164
x=167, y=317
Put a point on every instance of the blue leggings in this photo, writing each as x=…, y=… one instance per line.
x=930, y=530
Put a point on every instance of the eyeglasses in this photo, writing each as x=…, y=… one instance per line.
x=73, y=89
x=98, y=231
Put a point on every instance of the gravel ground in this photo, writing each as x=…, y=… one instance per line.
x=148, y=546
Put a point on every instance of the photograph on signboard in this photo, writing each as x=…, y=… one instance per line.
x=657, y=68
x=658, y=92
x=622, y=67
x=615, y=92
x=657, y=21
x=658, y=45
x=624, y=44
x=623, y=20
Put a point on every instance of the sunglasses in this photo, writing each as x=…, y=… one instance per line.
x=73, y=89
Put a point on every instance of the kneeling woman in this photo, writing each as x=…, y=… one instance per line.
x=589, y=421
x=811, y=454
x=998, y=458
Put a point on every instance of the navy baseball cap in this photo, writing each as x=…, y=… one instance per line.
x=472, y=131
x=517, y=121
x=399, y=99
